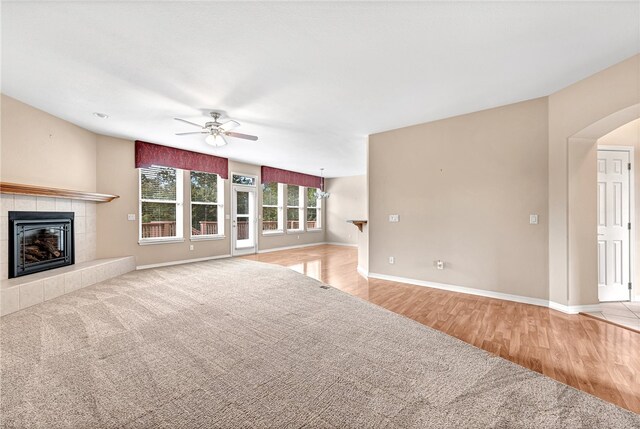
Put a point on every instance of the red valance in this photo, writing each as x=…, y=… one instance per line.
x=148, y=154
x=270, y=175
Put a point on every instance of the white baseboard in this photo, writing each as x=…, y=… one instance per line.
x=569, y=309
x=277, y=249
x=335, y=243
x=364, y=273
x=574, y=309
x=184, y=261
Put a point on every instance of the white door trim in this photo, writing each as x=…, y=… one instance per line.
x=635, y=289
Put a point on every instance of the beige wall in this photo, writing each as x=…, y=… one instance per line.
x=464, y=188
x=118, y=236
x=572, y=277
x=40, y=149
x=348, y=200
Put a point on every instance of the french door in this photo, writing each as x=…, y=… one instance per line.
x=244, y=220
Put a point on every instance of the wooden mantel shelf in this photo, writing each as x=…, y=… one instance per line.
x=41, y=191
x=359, y=223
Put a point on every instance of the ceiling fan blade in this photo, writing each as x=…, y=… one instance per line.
x=229, y=125
x=241, y=136
x=187, y=122
x=192, y=132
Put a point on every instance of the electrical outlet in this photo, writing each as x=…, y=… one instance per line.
x=191, y=247
x=131, y=216
x=392, y=260
x=533, y=219
x=439, y=265
x=394, y=218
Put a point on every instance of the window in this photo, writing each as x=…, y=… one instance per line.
x=207, y=209
x=295, y=207
x=160, y=203
x=272, y=208
x=314, y=209
x=239, y=179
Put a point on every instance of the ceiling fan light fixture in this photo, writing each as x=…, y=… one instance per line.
x=216, y=140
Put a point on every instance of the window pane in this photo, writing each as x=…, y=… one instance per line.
x=243, y=180
x=204, y=219
x=270, y=194
x=312, y=218
x=204, y=187
x=158, y=183
x=311, y=197
x=269, y=218
x=293, y=195
x=158, y=220
x=293, y=218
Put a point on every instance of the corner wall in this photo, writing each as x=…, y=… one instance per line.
x=348, y=200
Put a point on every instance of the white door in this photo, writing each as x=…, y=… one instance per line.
x=244, y=220
x=614, y=228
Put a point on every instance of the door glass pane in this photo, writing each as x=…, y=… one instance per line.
x=243, y=228
x=242, y=203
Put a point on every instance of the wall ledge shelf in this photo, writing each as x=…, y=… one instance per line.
x=41, y=191
x=359, y=223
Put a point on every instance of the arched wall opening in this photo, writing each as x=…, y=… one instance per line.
x=582, y=206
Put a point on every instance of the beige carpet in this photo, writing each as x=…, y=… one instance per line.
x=237, y=343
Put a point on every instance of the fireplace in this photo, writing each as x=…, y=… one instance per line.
x=39, y=241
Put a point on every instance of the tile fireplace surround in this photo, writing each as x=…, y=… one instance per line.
x=84, y=223
x=22, y=292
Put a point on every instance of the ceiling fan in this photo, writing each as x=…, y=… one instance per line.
x=217, y=131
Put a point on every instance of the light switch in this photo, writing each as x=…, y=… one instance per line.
x=394, y=218
x=533, y=219
x=131, y=216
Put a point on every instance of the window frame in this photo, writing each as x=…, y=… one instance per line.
x=179, y=203
x=301, y=210
x=220, y=208
x=280, y=210
x=318, y=209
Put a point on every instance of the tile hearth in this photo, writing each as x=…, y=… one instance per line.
x=22, y=292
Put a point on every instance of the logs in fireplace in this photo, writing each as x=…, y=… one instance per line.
x=39, y=241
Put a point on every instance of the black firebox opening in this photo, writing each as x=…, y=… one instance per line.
x=39, y=241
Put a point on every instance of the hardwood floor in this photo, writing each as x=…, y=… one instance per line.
x=588, y=354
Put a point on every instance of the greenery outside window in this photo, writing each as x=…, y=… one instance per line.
x=314, y=209
x=207, y=208
x=160, y=211
x=272, y=208
x=295, y=208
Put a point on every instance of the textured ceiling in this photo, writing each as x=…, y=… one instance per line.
x=312, y=80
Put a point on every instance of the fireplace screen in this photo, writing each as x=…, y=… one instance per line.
x=40, y=244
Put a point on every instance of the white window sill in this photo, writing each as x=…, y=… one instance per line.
x=315, y=230
x=295, y=231
x=268, y=233
x=164, y=240
x=207, y=237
